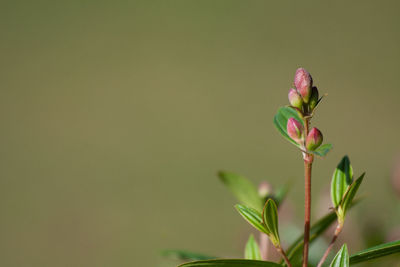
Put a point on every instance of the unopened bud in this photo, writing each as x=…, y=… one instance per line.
x=313, y=98
x=295, y=129
x=314, y=139
x=295, y=99
x=303, y=83
x=264, y=189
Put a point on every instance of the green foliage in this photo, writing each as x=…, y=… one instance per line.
x=252, y=251
x=342, y=178
x=281, y=118
x=322, y=150
x=270, y=219
x=344, y=188
x=376, y=252
x=253, y=217
x=242, y=189
x=342, y=258
x=349, y=196
x=265, y=217
x=231, y=263
x=185, y=255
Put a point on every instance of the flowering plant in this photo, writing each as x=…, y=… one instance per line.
x=260, y=207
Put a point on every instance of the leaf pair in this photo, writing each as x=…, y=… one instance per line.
x=280, y=121
x=267, y=222
x=343, y=187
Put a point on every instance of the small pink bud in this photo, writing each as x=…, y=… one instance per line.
x=264, y=189
x=313, y=98
x=295, y=99
x=295, y=129
x=314, y=139
x=303, y=83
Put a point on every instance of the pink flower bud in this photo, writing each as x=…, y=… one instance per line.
x=313, y=98
x=295, y=99
x=264, y=189
x=314, y=139
x=295, y=129
x=303, y=83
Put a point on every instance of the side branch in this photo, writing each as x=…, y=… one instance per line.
x=339, y=228
x=283, y=254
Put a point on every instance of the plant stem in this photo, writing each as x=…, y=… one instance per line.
x=282, y=252
x=339, y=228
x=308, y=160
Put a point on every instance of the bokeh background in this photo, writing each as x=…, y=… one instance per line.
x=116, y=115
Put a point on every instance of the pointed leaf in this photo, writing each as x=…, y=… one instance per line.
x=351, y=192
x=242, y=189
x=253, y=217
x=342, y=178
x=270, y=219
x=281, y=118
x=252, y=251
x=185, y=255
x=376, y=252
x=342, y=258
x=230, y=263
x=322, y=150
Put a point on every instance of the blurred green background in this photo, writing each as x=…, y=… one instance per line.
x=116, y=115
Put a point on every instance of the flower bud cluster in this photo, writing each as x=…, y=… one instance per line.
x=304, y=97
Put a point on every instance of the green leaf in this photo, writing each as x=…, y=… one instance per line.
x=349, y=195
x=322, y=150
x=342, y=258
x=281, y=118
x=253, y=217
x=376, y=252
x=185, y=255
x=342, y=178
x=252, y=251
x=230, y=263
x=270, y=219
x=295, y=250
x=242, y=189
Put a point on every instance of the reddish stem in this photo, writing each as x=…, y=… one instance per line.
x=285, y=258
x=308, y=160
x=328, y=250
